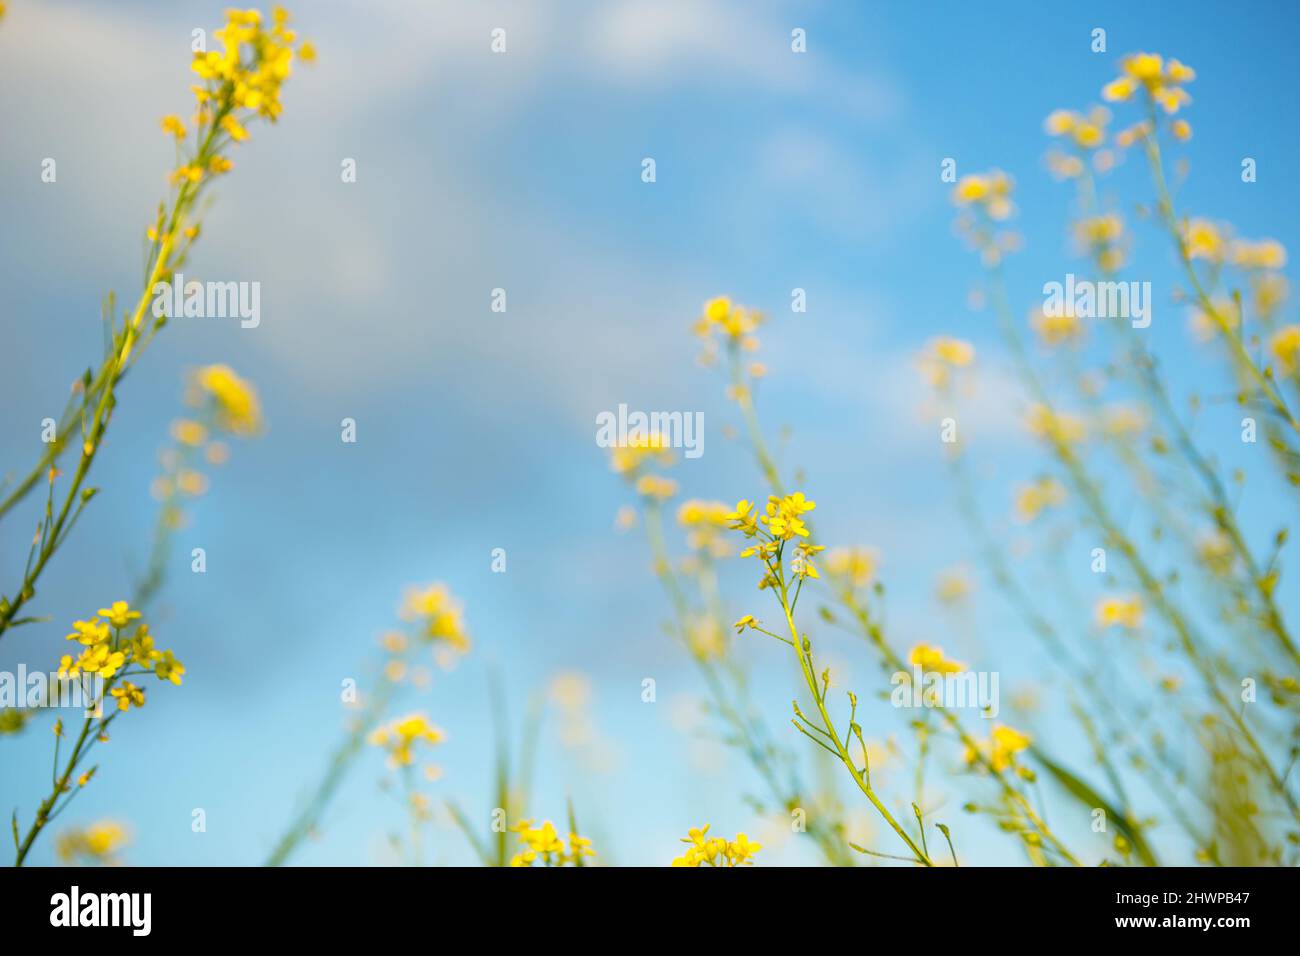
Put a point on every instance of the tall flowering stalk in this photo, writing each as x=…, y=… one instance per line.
x=240, y=84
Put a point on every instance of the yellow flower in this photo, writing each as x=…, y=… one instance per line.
x=127, y=695
x=653, y=486
x=1145, y=67
x=93, y=660
x=187, y=432
x=989, y=191
x=1181, y=129
x=1264, y=254
x=400, y=736
x=1215, y=551
x=1057, y=427
x=1202, y=240
x=168, y=668
x=1285, y=346
x=931, y=659
x=1001, y=748
x=1119, y=89
x=1056, y=330
x=627, y=459
x=119, y=615
x=1120, y=612
x=782, y=517
x=437, y=615
x=1033, y=499
x=941, y=355
x=1060, y=122
x=853, y=567
x=172, y=125
x=97, y=843
x=93, y=631
x=237, y=407
x=706, y=851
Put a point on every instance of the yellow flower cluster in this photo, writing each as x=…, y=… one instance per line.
x=627, y=459
x=852, y=567
x=1057, y=427
x=932, y=659
x=232, y=400
x=400, y=736
x=109, y=652
x=732, y=322
x=781, y=522
x=1087, y=132
x=1123, y=612
x=1000, y=749
x=1163, y=81
x=705, y=850
x=990, y=192
x=1285, y=346
x=941, y=356
x=98, y=843
x=1034, y=498
x=543, y=845
x=438, y=617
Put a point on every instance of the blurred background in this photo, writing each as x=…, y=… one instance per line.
x=475, y=429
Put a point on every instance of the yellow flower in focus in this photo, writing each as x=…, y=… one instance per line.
x=119, y=615
x=89, y=632
x=128, y=695
x=706, y=851
x=1119, y=612
x=931, y=659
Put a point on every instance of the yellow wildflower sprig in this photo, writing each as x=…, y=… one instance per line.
x=704, y=850
x=113, y=645
x=771, y=531
x=241, y=82
x=543, y=846
x=434, y=622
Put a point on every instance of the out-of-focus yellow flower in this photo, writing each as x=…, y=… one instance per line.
x=1034, y=498
x=853, y=567
x=1123, y=420
x=1215, y=551
x=1181, y=129
x=713, y=851
x=941, y=355
x=952, y=586
x=656, y=486
x=1285, y=347
x=437, y=616
x=1203, y=240
x=1057, y=427
x=704, y=520
x=187, y=432
x=399, y=737
x=628, y=458
x=1127, y=137
x=1001, y=748
x=98, y=843
x=172, y=125
x=1054, y=330
x=1123, y=612
x=931, y=659
x=734, y=322
x=989, y=191
x=237, y=409
x=1264, y=254
x=1205, y=326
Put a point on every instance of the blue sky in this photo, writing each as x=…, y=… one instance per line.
x=475, y=429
